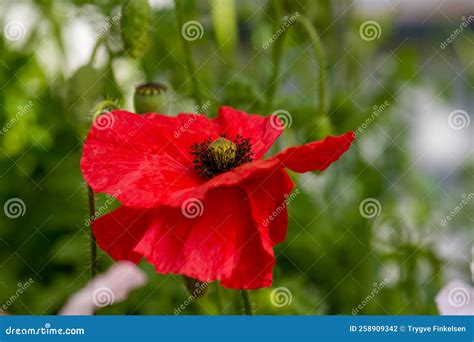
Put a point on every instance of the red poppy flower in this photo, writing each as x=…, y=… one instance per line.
x=197, y=197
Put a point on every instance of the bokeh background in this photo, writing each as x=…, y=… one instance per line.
x=381, y=232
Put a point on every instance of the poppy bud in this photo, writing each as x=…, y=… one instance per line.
x=195, y=287
x=150, y=97
x=103, y=107
x=134, y=26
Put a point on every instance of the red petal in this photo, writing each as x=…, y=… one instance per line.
x=142, y=159
x=223, y=243
x=259, y=129
x=317, y=155
x=269, y=197
x=120, y=231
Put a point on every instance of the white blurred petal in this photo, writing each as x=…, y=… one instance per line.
x=456, y=298
x=105, y=289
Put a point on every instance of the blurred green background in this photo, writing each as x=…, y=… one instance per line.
x=397, y=90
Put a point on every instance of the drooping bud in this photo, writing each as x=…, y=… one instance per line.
x=104, y=107
x=195, y=287
x=223, y=153
x=135, y=26
x=150, y=98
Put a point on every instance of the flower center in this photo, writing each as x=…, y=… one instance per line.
x=221, y=155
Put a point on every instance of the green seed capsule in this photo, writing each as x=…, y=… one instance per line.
x=135, y=26
x=150, y=98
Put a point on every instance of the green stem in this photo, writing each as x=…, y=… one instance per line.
x=247, y=303
x=188, y=58
x=95, y=49
x=318, y=51
x=220, y=306
x=90, y=195
x=276, y=59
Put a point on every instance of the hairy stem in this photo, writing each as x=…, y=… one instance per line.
x=90, y=195
x=220, y=306
x=277, y=50
x=95, y=50
x=247, y=303
x=188, y=58
x=318, y=51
